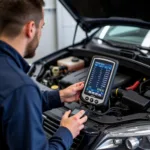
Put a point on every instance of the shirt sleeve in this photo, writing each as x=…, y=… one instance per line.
x=51, y=99
x=23, y=123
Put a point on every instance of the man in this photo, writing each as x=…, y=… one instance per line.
x=21, y=101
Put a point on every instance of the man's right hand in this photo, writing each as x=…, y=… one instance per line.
x=75, y=123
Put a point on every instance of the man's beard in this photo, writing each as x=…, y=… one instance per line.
x=31, y=47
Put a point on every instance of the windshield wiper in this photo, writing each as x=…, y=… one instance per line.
x=125, y=46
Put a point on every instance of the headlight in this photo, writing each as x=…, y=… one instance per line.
x=132, y=137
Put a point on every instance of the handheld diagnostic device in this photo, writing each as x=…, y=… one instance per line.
x=99, y=81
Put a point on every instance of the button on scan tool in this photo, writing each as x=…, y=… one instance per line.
x=87, y=98
x=96, y=101
x=91, y=100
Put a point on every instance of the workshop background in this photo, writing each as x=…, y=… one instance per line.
x=58, y=31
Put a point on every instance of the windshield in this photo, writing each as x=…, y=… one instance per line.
x=126, y=34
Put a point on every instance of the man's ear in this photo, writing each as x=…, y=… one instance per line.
x=30, y=29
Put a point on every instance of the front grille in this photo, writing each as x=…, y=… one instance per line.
x=51, y=125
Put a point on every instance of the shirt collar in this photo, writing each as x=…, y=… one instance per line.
x=17, y=58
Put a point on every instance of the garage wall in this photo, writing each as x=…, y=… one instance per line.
x=66, y=27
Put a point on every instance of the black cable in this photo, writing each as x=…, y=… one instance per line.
x=111, y=110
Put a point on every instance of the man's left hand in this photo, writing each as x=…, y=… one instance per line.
x=72, y=93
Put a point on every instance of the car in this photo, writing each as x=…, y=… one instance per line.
x=116, y=30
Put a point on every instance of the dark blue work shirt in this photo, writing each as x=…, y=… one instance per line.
x=21, y=107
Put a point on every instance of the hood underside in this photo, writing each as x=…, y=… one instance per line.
x=90, y=14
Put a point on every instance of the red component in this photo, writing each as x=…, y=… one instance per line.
x=134, y=86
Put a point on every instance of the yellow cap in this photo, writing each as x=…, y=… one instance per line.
x=54, y=87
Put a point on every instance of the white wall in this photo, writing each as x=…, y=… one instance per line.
x=48, y=43
x=66, y=27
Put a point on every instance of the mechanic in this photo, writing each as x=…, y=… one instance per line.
x=21, y=101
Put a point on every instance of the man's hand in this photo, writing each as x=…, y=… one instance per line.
x=74, y=124
x=72, y=93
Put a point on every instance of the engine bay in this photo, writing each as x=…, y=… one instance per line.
x=130, y=93
x=129, y=99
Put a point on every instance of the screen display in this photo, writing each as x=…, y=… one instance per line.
x=98, y=80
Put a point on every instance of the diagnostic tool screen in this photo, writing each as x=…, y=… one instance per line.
x=99, y=77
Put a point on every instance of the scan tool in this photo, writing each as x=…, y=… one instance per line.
x=99, y=81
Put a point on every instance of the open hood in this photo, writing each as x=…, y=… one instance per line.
x=90, y=14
